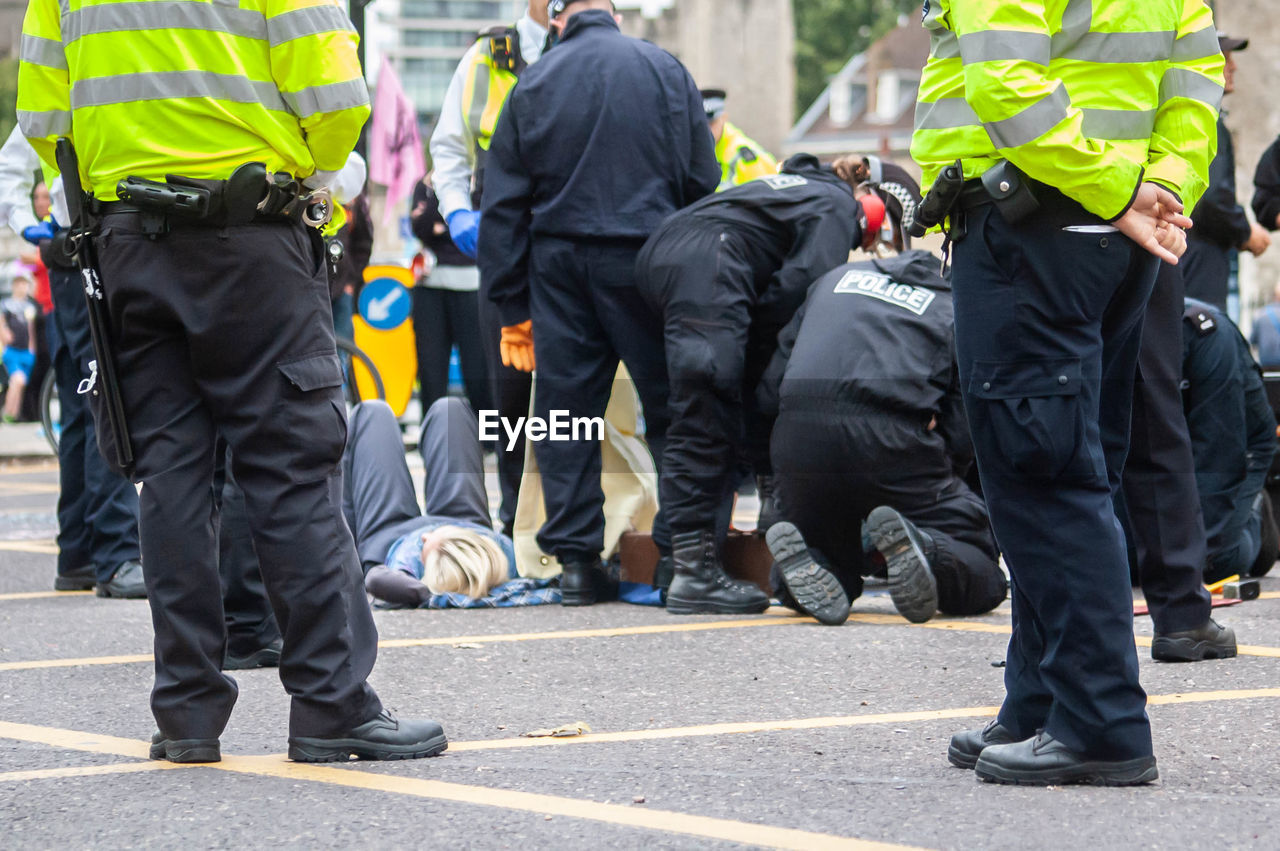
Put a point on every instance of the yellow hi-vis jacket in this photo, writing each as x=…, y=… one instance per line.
x=1087, y=96
x=489, y=81
x=741, y=158
x=156, y=87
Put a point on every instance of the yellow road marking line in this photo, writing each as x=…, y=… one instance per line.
x=16, y=488
x=615, y=814
x=36, y=595
x=821, y=723
x=48, y=548
x=608, y=632
x=87, y=771
x=730, y=728
x=459, y=639
x=24, y=469
x=1269, y=595
x=614, y=632
x=75, y=663
x=1000, y=629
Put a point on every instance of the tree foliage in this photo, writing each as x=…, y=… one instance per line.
x=830, y=32
x=8, y=96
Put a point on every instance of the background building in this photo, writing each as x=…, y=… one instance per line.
x=745, y=47
x=869, y=105
x=424, y=39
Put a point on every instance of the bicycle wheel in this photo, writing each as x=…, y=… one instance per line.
x=50, y=411
x=360, y=378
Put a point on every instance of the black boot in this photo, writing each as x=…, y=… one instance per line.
x=701, y=585
x=769, y=514
x=813, y=588
x=583, y=583
x=906, y=551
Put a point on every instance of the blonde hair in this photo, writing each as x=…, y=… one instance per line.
x=465, y=561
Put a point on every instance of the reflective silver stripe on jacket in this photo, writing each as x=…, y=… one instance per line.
x=162, y=85
x=1114, y=47
x=945, y=114
x=162, y=15
x=1185, y=83
x=1001, y=45
x=42, y=124
x=1116, y=125
x=328, y=98
x=301, y=23
x=1200, y=44
x=42, y=51
x=1032, y=122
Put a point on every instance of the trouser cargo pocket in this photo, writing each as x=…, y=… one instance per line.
x=1031, y=414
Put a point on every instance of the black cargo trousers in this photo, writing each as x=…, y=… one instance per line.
x=228, y=330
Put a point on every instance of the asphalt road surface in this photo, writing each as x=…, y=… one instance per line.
x=706, y=732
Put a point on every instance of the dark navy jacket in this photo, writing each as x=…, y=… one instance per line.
x=875, y=337
x=602, y=138
x=1233, y=431
x=1266, y=187
x=797, y=225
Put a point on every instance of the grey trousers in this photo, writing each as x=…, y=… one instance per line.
x=378, y=496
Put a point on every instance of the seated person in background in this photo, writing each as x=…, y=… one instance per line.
x=18, y=315
x=871, y=427
x=1233, y=437
x=410, y=556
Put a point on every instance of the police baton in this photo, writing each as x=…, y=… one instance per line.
x=102, y=383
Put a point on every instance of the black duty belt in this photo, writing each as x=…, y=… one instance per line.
x=249, y=195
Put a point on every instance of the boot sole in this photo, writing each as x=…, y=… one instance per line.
x=960, y=758
x=815, y=589
x=912, y=586
x=103, y=591
x=264, y=658
x=1188, y=650
x=1134, y=772
x=187, y=750
x=63, y=583
x=341, y=750
x=677, y=606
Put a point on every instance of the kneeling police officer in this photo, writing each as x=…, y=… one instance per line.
x=726, y=274
x=871, y=427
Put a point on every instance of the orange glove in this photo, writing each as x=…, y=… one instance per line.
x=516, y=346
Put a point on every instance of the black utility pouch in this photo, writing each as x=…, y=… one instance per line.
x=1011, y=191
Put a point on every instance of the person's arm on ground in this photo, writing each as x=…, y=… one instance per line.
x=395, y=587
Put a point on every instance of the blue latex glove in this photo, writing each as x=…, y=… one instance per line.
x=44, y=230
x=464, y=227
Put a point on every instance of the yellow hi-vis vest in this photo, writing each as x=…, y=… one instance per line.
x=741, y=158
x=154, y=87
x=1089, y=96
x=493, y=72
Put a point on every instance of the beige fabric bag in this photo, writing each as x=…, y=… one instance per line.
x=629, y=480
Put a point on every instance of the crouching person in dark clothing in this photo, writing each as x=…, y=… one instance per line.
x=1233, y=438
x=871, y=427
x=726, y=274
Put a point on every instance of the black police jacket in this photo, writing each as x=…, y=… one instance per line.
x=1219, y=219
x=602, y=138
x=875, y=336
x=798, y=224
x=1266, y=187
x=1232, y=427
